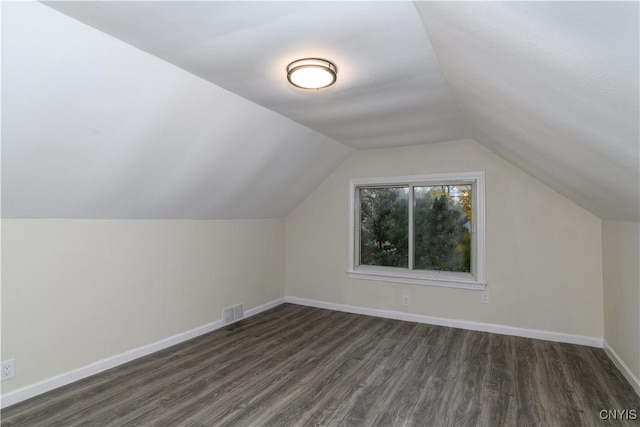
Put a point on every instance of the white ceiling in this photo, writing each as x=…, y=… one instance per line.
x=390, y=90
x=93, y=128
x=550, y=86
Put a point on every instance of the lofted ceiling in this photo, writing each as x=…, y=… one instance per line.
x=550, y=86
x=390, y=92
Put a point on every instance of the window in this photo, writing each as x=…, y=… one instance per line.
x=421, y=229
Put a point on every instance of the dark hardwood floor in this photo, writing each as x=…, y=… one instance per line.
x=301, y=366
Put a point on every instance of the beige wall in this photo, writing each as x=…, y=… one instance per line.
x=77, y=291
x=544, y=253
x=621, y=272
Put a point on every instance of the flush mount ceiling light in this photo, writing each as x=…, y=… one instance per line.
x=311, y=73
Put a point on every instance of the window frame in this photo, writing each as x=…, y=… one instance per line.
x=475, y=280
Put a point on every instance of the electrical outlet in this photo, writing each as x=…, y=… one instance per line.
x=8, y=370
x=485, y=297
x=405, y=299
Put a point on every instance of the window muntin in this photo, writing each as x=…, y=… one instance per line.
x=439, y=201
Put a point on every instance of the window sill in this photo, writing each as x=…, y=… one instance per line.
x=461, y=281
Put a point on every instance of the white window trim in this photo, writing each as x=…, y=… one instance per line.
x=476, y=281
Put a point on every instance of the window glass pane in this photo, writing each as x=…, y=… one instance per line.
x=442, y=227
x=384, y=226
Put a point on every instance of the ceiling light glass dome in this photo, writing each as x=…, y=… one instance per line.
x=311, y=73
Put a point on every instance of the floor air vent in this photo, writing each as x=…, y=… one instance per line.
x=233, y=313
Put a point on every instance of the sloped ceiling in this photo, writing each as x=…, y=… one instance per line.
x=390, y=90
x=93, y=128
x=550, y=86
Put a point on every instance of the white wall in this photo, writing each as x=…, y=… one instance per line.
x=621, y=272
x=544, y=260
x=77, y=291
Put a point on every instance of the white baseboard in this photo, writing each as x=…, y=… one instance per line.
x=622, y=367
x=453, y=323
x=52, y=383
x=49, y=384
x=264, y=307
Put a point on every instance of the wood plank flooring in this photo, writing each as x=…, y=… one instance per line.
x=301, y=366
